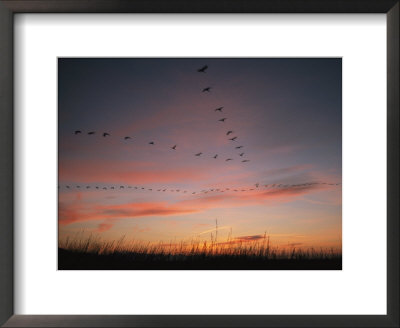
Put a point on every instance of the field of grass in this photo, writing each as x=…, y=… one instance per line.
x=92, y=253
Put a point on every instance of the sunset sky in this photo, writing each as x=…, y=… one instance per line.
x=286, y=113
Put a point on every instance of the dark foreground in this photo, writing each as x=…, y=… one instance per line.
x=71, y=260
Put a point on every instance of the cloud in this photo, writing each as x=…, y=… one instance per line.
x=103, y=227
x=294, y=244
x=127, y=172
x=68, y=214
x=242, y=239
x=77, y=211
x=249, y=238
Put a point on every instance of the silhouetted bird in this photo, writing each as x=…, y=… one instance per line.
x=203, y=69
x=219, y=109
x=92, y=132
x=198, y=154
x=216, y=155
x=105, y=134
x=121, y=187
x=229, y=132
x=222, y=119
x=238, y=147
x=233, y=139
x=77, y=132
x=245, y=160
x=174, y=147
x=228, y=159
x=207, y=89
x=151, y=143
x=67, y=187
x=257, y=184
x=87, y=187
x=241, y=154
x=126, y=138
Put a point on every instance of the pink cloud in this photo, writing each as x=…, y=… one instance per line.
x=125, y=172
x=103, y=227
x=76, y=212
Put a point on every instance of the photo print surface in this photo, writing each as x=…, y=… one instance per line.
x=199, y=163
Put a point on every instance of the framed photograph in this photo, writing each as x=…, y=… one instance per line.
x=199, y=164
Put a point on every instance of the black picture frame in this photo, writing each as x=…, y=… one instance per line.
x=10, y=7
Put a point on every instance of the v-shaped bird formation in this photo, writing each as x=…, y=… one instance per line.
x=231, y=136
x=175, y=147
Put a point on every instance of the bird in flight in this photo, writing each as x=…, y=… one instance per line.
x=174, y=147
x=238, y=147
x=233, y=139
x=229, y=132
x=241, y=154
x=105, y=134
x=151, y=143
x=198, y=154
x=207, y=89
x=222, y=119
x=126, y=138
x=219, y=109
x=91, y=132
x=203, y=69
x=228, y=159
x=78, y=131
x=245, y=160
x=216, y=155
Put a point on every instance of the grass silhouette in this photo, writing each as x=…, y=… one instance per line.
x=93, y=253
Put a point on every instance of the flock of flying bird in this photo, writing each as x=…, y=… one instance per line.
x=205, y=191
x=257, y=187
x=174, y=147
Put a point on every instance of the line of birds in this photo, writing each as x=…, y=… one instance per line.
x=257, y=186
x=219, y=109
x=174, y=147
